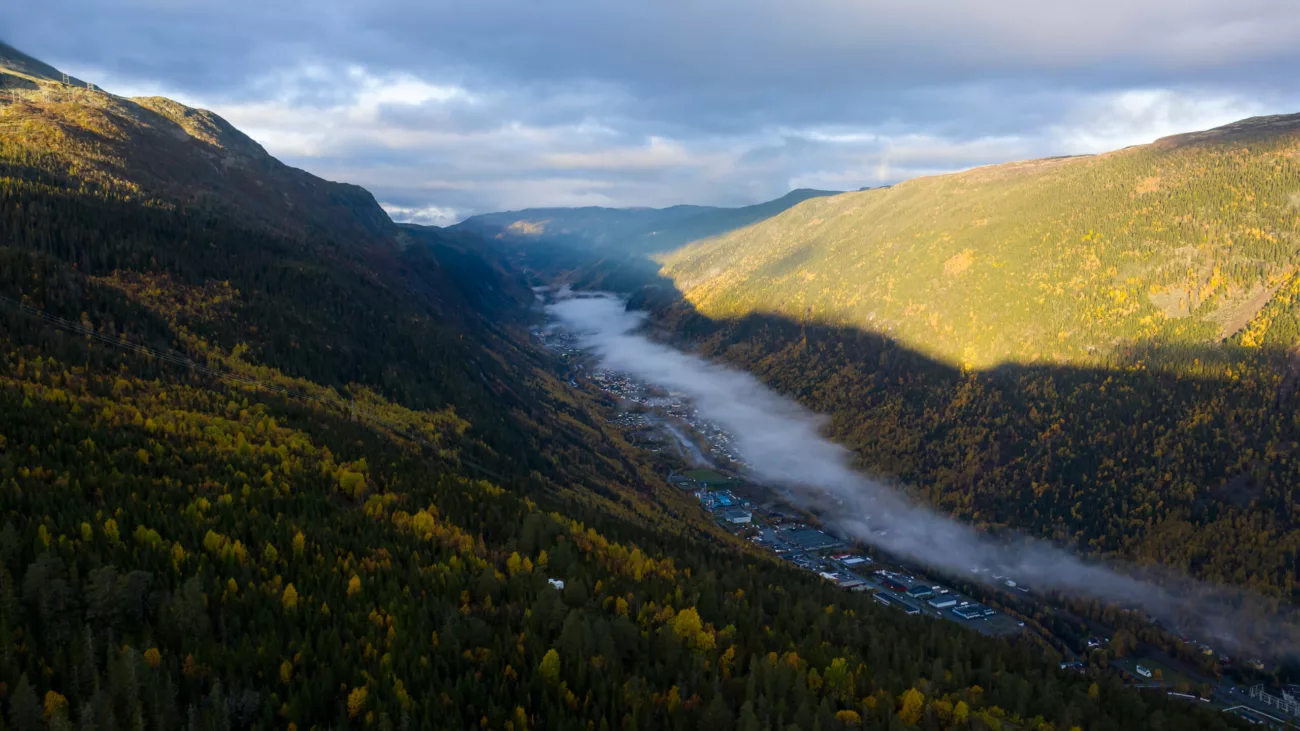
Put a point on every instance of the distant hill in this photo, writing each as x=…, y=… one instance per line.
x=1183, y=240
x=624, y=231
x=1103, y=350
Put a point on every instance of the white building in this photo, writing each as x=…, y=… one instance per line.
x=738, y=516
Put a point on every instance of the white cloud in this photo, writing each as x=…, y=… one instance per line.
x=657, y=153
x=441, y=148
x=426, y=216
x=1110, y=121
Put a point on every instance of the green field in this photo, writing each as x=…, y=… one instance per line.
x=1170, y=677
x=709, y=478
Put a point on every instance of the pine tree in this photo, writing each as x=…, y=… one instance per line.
x=24, y=707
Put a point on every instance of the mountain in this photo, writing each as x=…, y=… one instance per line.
x=24, y=72
x=1097, y=350
x=1059, y=260
x=273, y=461
x=623, y=231
x=157, y=145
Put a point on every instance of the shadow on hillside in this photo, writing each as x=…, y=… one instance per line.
x=1148, y=462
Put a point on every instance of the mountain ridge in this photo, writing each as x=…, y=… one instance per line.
x=625, y=231
x=1050, y=258
x=182, y=152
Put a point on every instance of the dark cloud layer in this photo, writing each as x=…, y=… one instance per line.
x=451, y=107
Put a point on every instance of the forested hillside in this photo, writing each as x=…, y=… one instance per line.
x=358, y=525
x=1060, y=260
x=1099, y=350
x=547, y=237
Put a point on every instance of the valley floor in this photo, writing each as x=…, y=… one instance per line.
x=669, y=425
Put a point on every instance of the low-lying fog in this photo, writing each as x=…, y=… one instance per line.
x=782, y=443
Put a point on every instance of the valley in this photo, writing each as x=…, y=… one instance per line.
x=270, y=458
x=1172, y=446
x=776, y=520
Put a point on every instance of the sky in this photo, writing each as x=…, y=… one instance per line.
x=447, y=109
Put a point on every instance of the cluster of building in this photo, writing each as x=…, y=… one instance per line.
x=813, y=549
x=723, y=504
x=781, y=532
x=907, y=592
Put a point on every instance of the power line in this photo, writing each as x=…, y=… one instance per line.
x=349, y=406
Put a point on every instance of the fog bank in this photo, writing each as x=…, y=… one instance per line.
x=782, y=443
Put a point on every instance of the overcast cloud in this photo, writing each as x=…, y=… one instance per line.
x=444, y=109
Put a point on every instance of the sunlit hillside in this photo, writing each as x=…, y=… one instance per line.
x=1183, y=240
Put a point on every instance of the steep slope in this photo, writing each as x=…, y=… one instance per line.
x=23, y=71
x=357, y=524
x=1057, y=260
x=166, y=149
x=1098, y=350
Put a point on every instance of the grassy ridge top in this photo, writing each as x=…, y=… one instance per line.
x=160, y=148
x=1183, y=240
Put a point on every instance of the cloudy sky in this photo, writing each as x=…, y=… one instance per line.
x=445, y=109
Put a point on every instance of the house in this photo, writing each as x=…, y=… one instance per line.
x=557, y=583
x=943, y=602
x=920, y=592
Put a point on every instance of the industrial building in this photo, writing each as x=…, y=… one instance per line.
x=920, y=592
x=811, y=539
x=737, y=516
x=972, y=611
